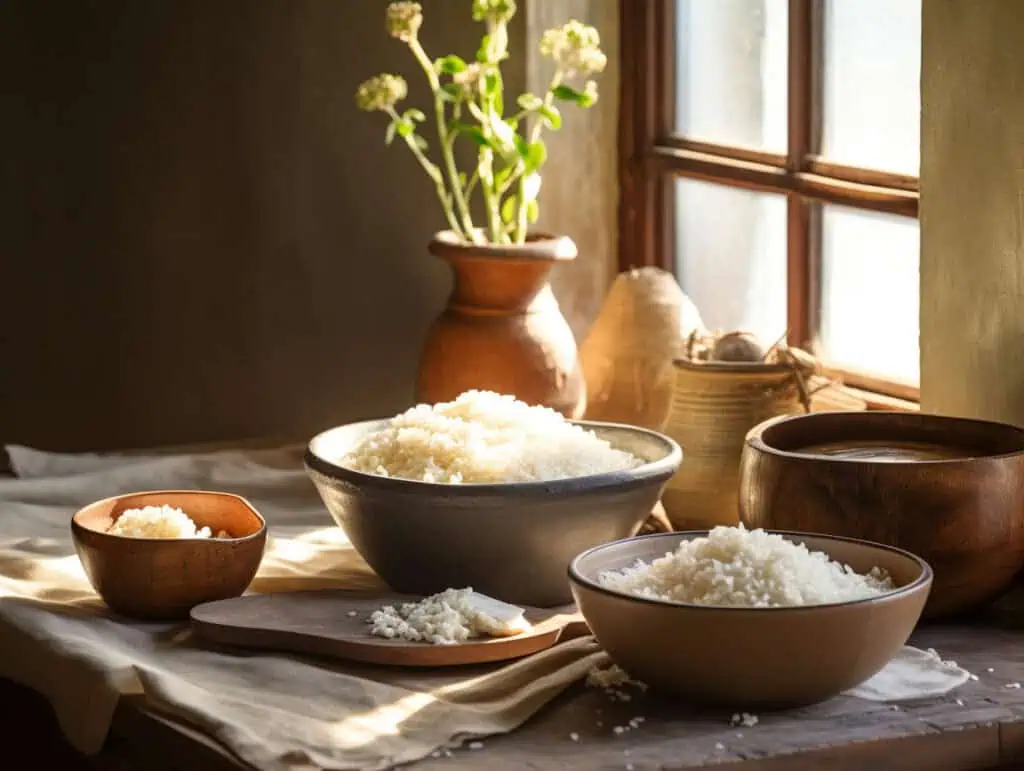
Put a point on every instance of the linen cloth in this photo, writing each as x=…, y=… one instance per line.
x=271, y=711
x=912, y=674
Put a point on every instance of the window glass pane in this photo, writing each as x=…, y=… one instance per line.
x=872, y=89
x=870, y=295
x=731, y=72
x=731, y=256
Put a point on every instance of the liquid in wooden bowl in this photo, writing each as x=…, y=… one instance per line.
x=950, y=490
x=883, y=450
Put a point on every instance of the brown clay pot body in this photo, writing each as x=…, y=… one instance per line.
x=502, y=329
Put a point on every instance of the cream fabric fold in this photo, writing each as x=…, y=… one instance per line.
x=913, y=674
x=272, y=711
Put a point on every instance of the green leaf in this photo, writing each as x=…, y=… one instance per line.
x=522, y=146
x=472, y=132
x=502, y=176
x=570, y=94
x=450, y=65
x=508, y=210
x=483, y=53
x=552, y=117
x=532, y=211
x=450, y=92
x=549, y=114
x=534, y=156
x=530, y=102
x=493, y=86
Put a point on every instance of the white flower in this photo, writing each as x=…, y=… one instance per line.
x=497, y=11
x=381, y=92
x=469, y=78
x=575, y=47
x=404, y=20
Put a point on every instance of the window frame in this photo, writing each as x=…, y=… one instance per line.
x=652, y=157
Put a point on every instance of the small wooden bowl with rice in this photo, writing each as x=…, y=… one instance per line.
x=486, y=492
x=750, y=619
x=156, y=555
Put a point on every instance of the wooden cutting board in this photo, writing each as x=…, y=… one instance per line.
x=333, y=623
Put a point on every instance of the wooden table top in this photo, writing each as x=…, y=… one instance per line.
x=979, y=727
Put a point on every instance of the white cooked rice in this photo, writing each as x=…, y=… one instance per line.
x=484, y=437
x=159, y=522
x=736, y=567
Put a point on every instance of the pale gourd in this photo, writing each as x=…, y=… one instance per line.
x=627, y=355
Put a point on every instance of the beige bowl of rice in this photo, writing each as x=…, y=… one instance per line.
x=755, y=619
x=487, y=492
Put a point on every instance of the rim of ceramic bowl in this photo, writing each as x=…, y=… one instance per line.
x=623, y=479
x=76, y=525
x=755, y=438
x=924, y=579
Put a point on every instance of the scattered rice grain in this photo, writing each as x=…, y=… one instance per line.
x=744, y=719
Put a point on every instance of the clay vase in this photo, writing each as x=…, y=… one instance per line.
x=502, y=329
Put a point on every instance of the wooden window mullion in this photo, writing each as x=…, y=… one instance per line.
x=799, y=269
x=664, y=63
x=638, y=97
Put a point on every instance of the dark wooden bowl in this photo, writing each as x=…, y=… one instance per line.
x=950, y=490
x=164, y=578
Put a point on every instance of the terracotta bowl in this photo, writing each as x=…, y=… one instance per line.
x=164, y=578
x=949, y=489
x=751, y=657
x=510, y=541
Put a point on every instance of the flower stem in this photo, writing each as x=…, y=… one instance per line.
x=491, y=200
x=471, y=184
x=519, y=234
x=435, y=174
x=447, y=156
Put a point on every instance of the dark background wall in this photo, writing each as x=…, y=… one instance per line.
x=201, y=237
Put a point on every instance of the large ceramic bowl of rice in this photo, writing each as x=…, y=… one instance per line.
x=487, y=492
x=750, y=618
